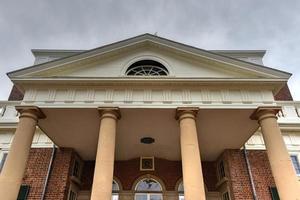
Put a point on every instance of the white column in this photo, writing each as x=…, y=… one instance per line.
x=282, y=168
x=13, y=170
x=190, y=154
x=104, y=166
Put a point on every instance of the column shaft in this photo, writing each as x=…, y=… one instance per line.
x=190, y=155
x=103, y=174
x=15, y=164
x=281, y=165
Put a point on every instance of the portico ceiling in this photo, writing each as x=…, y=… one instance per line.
x=218, y=129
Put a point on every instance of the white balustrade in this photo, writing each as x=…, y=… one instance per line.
x=8, y=113
x=290, y=112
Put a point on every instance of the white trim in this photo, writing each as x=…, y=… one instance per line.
x=146, y=57
x=148, y=39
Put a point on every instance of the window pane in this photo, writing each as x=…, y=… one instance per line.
x=115, y=197
x=148, y=185
x=225, y=196
x=4, y=155
x=274, y=193
x=141, y=197
x=147, y=68
x=76, y=169
x=296, y=164
x=221, y=170
x=115, y=186
x=155, y=197
x=180, y=188
x=23, y=192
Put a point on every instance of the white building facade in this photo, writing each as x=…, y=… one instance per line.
x=158, y=103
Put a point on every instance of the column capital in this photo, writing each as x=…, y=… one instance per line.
x=264, y=112
x=186, y=112
x=33, y=112
x=112, y=112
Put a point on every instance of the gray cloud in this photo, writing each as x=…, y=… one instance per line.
x=220, y=24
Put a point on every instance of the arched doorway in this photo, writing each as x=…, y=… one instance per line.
x=148, y=189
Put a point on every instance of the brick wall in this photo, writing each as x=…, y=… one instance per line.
x=284, y=94
x=261, y=172
x=128, y=172
x=59, y=181
x=15, y=94
x=239, y=180
x=36, y=171
x=169, y=172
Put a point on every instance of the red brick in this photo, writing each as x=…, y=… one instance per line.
x=169, y=172
x=284, y=94
x=15, y=94
x=239, y=180
x=36, y=171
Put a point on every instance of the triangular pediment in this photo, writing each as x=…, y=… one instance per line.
x=181, y=60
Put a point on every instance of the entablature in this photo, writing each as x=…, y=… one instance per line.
x=139, y=96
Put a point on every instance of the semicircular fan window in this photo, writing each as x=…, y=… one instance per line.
x=147, y=68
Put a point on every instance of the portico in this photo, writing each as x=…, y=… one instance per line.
x=192, y=104
x=190, y=152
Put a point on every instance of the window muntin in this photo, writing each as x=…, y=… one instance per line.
x=148, y=189
x=181, y=196
x=115, y=190
x=76, y=168
x=145, y=196
x=296, y=164
x=115, y=196
x=72, y=195
x=221, y=170
x=180, y=190
x=148, y=184
x=147, y=68
x=115, y=186
x=3, y=159
x=225, y=196
x=23, y=192
x=274, y=193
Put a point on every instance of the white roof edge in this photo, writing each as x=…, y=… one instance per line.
x=231, y=51
x=251, y=52
x=155, y=39
x=37, y=52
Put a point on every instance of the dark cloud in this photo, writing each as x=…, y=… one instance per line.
x=273, y=25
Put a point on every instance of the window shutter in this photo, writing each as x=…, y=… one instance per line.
x=23, y=193
x=274, y=193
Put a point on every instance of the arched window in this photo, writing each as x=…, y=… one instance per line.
x=180, y=190
x=148, y=189
x=147, y=68
x=115, y=190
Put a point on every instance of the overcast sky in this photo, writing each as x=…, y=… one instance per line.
x=212, y=24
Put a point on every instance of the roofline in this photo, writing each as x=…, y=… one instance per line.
x=190, y=48
x=211, y=50
x=147, y=79
x=238, y=51
x=36, y=52
x=87, y=51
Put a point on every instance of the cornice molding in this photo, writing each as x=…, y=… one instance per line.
x=146, y=40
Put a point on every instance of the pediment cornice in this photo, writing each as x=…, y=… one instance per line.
x=148, y=41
